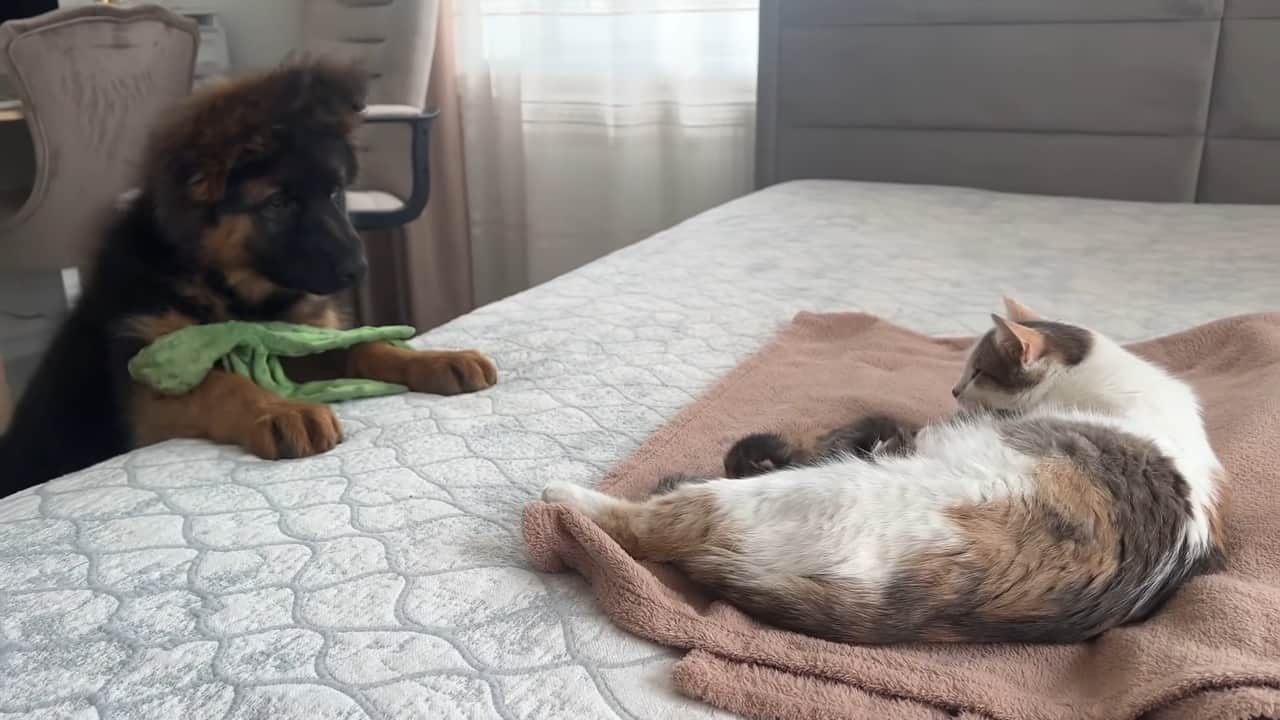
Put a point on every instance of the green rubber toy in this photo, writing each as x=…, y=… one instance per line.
x=176, y=363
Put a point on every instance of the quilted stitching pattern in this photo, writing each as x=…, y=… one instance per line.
x=387, y=578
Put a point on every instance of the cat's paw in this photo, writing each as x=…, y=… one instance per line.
x=575, y=496
x=869, y=438
x=758, y=454
x=562, y=492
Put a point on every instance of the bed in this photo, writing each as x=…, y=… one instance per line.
x=387, y=578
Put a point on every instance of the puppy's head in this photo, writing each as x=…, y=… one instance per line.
x=249, y=178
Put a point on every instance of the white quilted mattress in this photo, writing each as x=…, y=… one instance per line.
x=387, y=578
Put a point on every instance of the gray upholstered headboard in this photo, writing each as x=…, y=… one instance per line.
x=1174, y=100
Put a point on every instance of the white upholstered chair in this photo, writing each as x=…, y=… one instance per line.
x=91, y=81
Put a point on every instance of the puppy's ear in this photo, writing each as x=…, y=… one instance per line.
x=193, y=148
x=199, y=144
x=325, y=90
x=347, y=83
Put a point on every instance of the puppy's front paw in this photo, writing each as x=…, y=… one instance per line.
x=451, y=373
x=293, y=430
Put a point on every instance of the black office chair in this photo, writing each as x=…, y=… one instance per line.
x=385, y=200
x=378, y=209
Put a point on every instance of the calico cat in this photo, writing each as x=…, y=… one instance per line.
x=1074, y=492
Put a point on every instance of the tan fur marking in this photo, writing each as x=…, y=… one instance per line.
x=313, y=310
x=152, y=327
x=225, y=245
x=1217, y=515
x=208, y=187
x=666, y=528
x=229, y=408
x=316, y=311
x=441, y=373
x=806, y=444
x=837, y=610
x=1071, y=493
x=684, y=527
x=250, y=286
x=1019, y=550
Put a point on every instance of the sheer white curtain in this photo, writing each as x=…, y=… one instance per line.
x=590, y=124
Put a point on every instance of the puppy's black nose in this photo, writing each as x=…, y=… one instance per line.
x=352, y=273
x=955, y=392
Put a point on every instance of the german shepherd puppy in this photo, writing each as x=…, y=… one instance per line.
x=240, y=216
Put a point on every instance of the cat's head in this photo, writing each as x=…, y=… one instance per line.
x=1022, y=361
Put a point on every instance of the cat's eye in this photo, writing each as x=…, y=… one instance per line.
x=279, y=201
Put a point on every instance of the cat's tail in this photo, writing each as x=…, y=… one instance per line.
x=685, y=527
x=665, y=528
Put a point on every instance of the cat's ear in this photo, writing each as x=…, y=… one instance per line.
x=1018, y=312
x=1029, y=342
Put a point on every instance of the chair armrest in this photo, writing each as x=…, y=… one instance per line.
x=420, y=123
x=396, y=113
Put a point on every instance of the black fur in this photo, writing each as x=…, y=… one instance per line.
x=866, y=438
x=759, y=454
x=286, y=130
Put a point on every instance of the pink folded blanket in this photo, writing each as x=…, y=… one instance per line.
x=1212, y=652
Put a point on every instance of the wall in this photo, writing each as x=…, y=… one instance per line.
x=260, y=32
